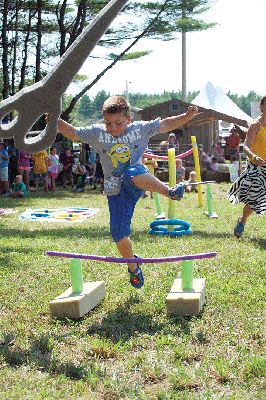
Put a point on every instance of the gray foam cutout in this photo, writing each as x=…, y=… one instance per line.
x=45, y=96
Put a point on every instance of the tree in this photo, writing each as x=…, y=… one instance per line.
x=181, y=16
x=156, y=20
x=161, y=20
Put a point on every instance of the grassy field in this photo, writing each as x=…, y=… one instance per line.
x=127, y=347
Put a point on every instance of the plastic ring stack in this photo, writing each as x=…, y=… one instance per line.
x=159, y=227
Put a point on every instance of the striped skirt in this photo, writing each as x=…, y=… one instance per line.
x=250, y=188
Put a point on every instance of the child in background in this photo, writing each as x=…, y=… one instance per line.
x=19, y=188
x=180, y=170
x=192, y=179
x=53, y=166
x=67, y=162
x=214, y=164
x=40, y=168
x=80, y=177
x=173, y=143
x=151, y=164
x=24, y=167
x=98, y=176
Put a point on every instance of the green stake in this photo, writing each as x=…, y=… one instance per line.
x=157, y=202
x=76, y=275
x=187, y=274
x=209, y=198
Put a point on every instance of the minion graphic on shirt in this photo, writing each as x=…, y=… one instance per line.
x=120, y=156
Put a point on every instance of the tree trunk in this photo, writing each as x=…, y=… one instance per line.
x=5, y=91
x=38, y=75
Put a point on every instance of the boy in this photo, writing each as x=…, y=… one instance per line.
x=120, y=144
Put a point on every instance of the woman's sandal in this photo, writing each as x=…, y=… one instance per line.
x=239, y=229
x=136, y=277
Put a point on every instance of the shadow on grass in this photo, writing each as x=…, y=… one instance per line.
x=123, y=323
x=51, y=231
x=40, y=356
x=259, y=242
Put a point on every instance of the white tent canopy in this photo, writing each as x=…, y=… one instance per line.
x=214, y=98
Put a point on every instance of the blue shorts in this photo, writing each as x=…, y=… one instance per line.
x=122, y=205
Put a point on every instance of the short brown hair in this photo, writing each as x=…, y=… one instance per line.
x=116, y=104
x=262, y=100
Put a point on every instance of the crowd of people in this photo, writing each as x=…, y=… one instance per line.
x=19, y=169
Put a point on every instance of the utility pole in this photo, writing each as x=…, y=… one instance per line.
x=127, y=92
x=184, y=61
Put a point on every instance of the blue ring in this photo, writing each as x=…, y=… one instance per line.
x=158, y=228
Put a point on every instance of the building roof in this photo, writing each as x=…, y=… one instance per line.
x=215, y=99
x=205, y=115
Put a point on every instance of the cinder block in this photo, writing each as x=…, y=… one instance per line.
x=186, y=301
x=75, y=305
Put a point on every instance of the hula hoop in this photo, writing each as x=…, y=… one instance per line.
x=198, y=256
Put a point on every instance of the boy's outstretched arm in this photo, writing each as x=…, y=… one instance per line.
x=67, y=130
x=171, y=123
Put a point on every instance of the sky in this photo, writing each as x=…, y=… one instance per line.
x=230, y=55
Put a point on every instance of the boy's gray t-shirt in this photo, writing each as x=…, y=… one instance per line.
x=117, y=153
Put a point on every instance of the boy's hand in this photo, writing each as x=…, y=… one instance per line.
x=192, y=111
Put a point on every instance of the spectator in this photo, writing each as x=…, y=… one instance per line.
x=53, y=167
x=218, y=152
x=180, y=171
x=40, y=168
x=233, y=142
x=151, y=164
x=13, y=163
x=4, y=182
x=24, y=167
x=203, y=157
x=192, y=179
x=173, y=142
x=98, y=176
x=163, y=151
x=67, y=162
x=214, y=164
x=80, y=177
x=19, y=188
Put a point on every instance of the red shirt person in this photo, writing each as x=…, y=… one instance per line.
x=233, y=142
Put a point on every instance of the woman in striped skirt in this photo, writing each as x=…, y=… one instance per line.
x=250, y=187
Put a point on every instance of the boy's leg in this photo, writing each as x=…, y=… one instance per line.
x=121, y=208
x=149, y=182
x=146, y=181
x=124, y=247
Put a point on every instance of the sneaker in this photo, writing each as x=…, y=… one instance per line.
x=177, y=192
x=239, y=228
x=136, y=277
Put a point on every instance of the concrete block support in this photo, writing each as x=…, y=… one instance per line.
x=186, y=301
x=75, y=305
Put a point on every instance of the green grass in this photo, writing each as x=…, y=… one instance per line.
x=127, y=347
